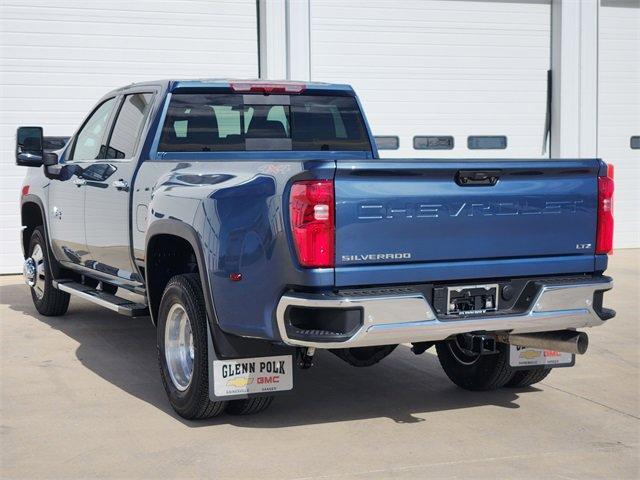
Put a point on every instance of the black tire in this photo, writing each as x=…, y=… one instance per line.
x=49, y=301
x=193, y=402
x=363, y=356
x=249, y=406
x=485, y=372
x=526, y=378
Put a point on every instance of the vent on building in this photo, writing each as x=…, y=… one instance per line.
x=433, y=142
x=387, y=142
x=487, y=142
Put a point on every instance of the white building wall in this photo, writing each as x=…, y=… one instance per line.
x=441, y=68
x=619, y=111
x=574, y=54
x=57, y=59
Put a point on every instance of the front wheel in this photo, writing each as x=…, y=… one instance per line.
x=183, y=348
x=474, y=372
x=49, y=301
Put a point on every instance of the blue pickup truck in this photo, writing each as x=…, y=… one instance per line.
x=255, y=223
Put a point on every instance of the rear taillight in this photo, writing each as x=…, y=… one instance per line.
x=604, y=237
x=312, y=213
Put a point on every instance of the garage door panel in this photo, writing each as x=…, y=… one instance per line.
x=436, y=60
x=54, y=105
x=464, y=52
x=105, y=79
x=420, y=12
x=85, y=60
x=47, y=92
x=454, y=68
x=434, y=37
x=132, y=54
x=619, y=112
x=419, y=74
x=59, y=58
x=123, y=43
x=22, y=117
x=147, y=11
x=79, y=30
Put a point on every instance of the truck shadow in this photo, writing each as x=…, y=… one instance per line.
x=403, y=387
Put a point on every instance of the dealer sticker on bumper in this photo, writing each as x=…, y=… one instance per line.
x=532, y=357
x=252, y=375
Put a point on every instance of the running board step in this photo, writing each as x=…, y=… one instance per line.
x=116, y=304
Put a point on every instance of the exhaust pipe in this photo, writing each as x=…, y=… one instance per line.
x=567, y=341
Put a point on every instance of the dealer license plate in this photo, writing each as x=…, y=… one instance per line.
x=252, y=375
x=472, y=299
x=533, y=357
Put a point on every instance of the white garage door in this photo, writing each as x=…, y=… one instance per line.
x=619, y=111
x=442, y=70
x=57, y=58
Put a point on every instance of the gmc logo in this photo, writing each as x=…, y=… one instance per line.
x=270, y=379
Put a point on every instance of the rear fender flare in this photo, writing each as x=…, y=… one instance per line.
x=182, y=230
x=225, y=345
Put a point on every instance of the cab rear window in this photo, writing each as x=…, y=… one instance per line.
x=232, y=122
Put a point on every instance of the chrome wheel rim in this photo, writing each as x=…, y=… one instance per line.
x=178, y=347
x=37, y=280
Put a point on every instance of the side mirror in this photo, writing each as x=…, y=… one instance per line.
x=29, y=151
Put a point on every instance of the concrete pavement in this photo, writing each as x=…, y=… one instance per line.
x=81, y=397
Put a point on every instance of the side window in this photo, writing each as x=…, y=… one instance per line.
x=129, y=124
x=88, y=144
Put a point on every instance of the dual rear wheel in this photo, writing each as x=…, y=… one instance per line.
x=183, y=354
x=484, y=372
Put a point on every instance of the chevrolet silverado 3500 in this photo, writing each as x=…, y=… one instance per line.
x=255, y=223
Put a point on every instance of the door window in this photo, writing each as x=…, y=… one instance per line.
x=88, y=145
x=129, y=124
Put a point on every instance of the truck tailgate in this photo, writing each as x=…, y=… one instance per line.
x=417, y=211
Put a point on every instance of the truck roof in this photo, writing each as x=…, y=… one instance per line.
x=178, y=84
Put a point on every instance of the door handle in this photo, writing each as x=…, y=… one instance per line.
x=472, y=178
x=120, y=185
x=78, y=182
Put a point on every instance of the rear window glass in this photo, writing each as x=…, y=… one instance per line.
x=227, y=122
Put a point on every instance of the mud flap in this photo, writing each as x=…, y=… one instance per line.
x=524, y=358
x=240, y=378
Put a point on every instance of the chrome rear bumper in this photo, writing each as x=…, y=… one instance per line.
x=403, y=315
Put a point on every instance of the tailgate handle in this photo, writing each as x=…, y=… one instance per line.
x=477, y=178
